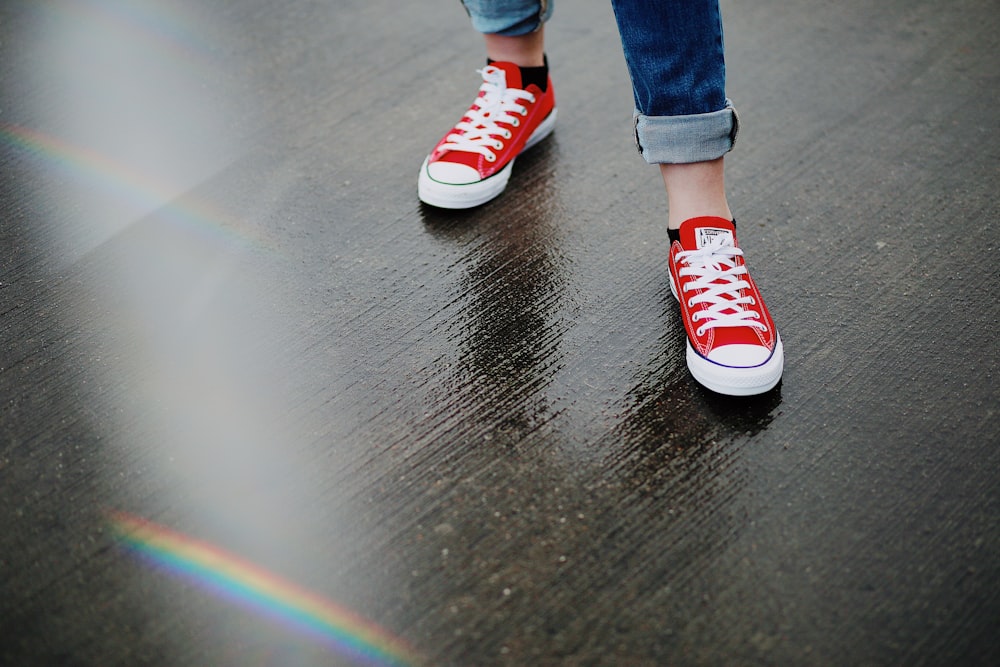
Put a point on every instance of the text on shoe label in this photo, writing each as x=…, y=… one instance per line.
x=707, y=235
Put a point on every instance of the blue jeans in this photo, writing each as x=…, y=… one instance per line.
x=674, y=53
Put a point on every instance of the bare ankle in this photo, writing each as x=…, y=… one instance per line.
x=522, y=50
x=693, y=190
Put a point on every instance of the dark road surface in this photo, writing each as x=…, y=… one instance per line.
x=259, y=407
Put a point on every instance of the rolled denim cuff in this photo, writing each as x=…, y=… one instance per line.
x=510, y=18
x=685, y=139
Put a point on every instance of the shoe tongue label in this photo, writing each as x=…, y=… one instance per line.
x=706, y=235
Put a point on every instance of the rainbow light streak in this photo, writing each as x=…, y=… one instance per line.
x=151, y=22
x=266, y=593
x=117, y=179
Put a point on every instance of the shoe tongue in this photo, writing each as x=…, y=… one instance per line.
x=512, y=72
x=697, y=233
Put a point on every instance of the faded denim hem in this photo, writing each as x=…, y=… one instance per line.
x=510, y=18
x=686, y=139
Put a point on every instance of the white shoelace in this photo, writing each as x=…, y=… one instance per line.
x=477, y=132
x=717, y=272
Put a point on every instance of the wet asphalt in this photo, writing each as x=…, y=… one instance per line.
x=366, y=431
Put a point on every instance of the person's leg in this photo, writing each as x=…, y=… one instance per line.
x=514, y=110
x=695, y=189
x=683, y=121
x=526, y=50
x=685, y=124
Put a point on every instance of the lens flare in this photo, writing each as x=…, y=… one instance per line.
x=161, y=23
x=129, y=186
x=251, y=586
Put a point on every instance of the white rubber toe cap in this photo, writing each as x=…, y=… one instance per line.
x=740, y=356
x=452, y=173
x=738, y=370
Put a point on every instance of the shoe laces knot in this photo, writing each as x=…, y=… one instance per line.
x=482, y=130
x=718, y=277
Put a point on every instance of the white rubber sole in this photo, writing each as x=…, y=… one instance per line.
x=450, y=195
x=735, y=380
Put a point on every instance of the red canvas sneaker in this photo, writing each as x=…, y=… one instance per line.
x=733, y=347
x=472, y=163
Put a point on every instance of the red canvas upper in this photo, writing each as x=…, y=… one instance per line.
x=537, y=111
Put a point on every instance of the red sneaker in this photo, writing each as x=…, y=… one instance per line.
x=472, y=163
x=733, y=347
